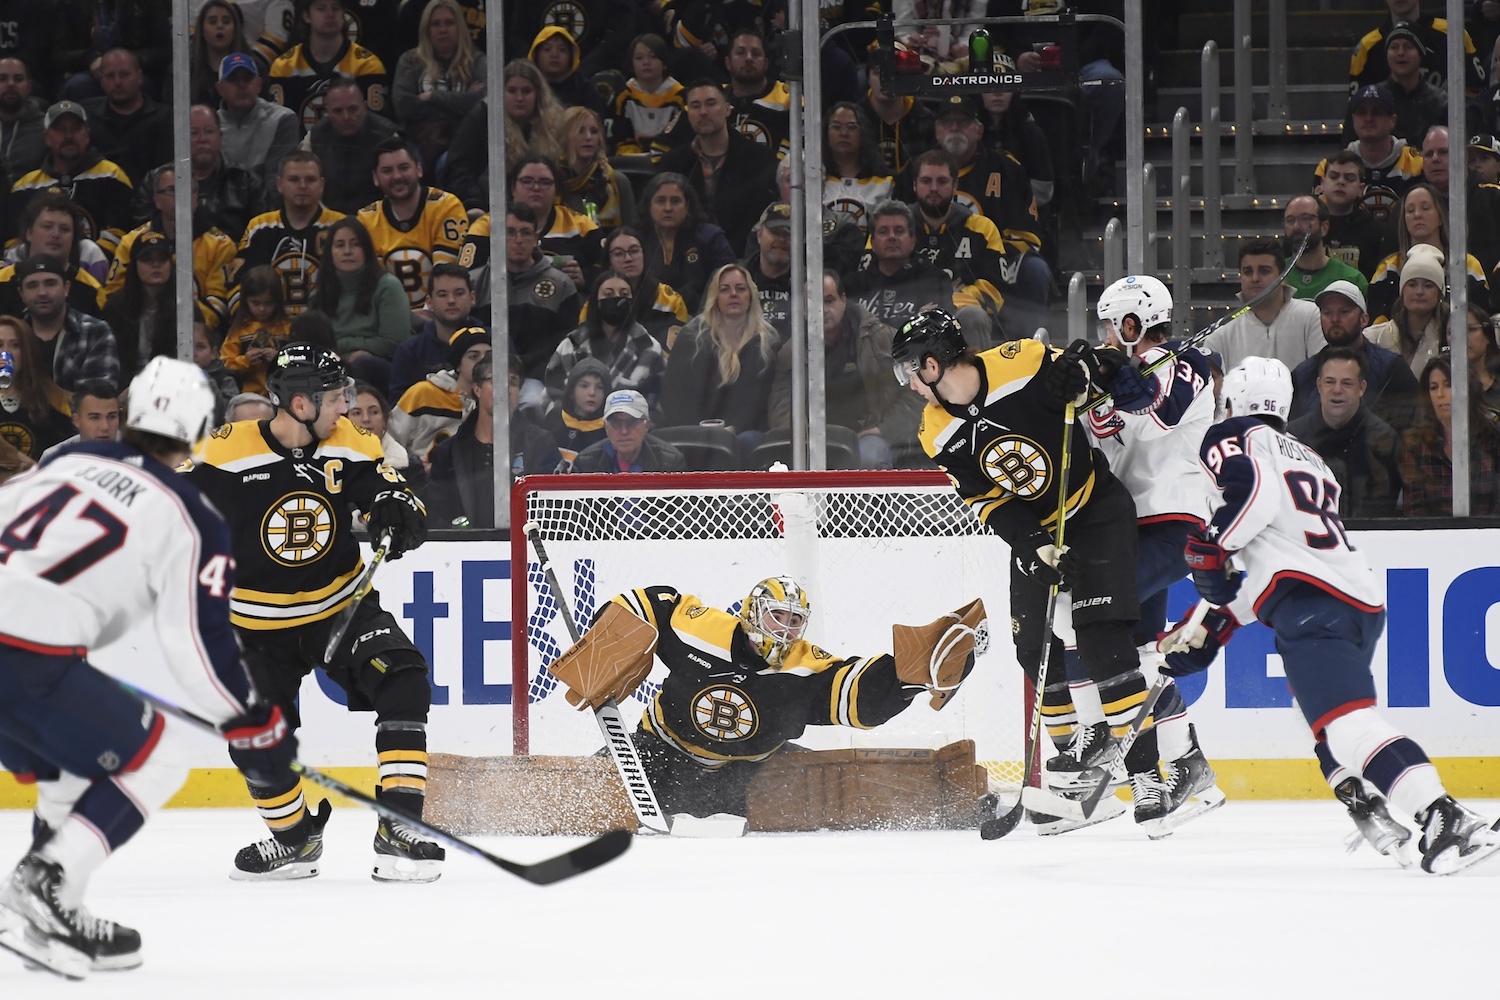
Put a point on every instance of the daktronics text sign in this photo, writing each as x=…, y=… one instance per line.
x=1438, y=670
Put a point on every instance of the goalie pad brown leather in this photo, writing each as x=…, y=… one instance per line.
x=609, y=661
x=868, y=790
x=939, y=655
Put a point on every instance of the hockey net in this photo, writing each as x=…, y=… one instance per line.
x=872, y=549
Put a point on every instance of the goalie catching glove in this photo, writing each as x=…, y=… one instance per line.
x=939, y=656
x=398, y=512
x=1190, y=647
x=609, y=661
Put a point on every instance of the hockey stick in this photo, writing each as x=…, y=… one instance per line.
x=1202, y=335
x=616, y=737
x=1200, y=611
x=1001, y=824
x=575, y=862
x=345, y=618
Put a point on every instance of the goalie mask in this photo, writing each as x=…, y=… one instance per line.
x=775, y=615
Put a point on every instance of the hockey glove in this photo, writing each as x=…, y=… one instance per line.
x=1191, y=648
x=262, y=745
x=1121, y=376
x=398, y=512
x=1036, y=557
x=1067, y=377
x=1208, y=562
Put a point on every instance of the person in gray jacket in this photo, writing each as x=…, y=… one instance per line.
x=256, y=132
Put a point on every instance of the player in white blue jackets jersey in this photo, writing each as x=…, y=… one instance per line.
x=1149, y=431
x=1274, y=513
x=99, y=537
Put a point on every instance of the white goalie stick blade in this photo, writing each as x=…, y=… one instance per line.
x=1040, y=800
x=717, y=826
x=628, y=762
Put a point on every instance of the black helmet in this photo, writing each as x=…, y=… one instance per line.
x=932, y=334
x=304, y=369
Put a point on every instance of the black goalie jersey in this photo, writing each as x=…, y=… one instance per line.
x=722, y=702
x=1002, y=450
x=290, y=513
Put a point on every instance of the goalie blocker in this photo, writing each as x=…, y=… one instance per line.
x=739, y=689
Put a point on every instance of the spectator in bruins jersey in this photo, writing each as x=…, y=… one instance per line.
x=256, y=133
x=430, y=410
x=572, y=238
x=994, y=423
x=770, y=267
x=651, y=101
x=142, y=312
x=413, y=226
x=298, y=564
x=578, y=421
x=654, y=304
x=218, y=31
x=34, y=409
x=345, y=142
x=365, y=303
x=1354, y=236
x=450, y=300
x=49, y=226
x=1391, y=166
x=1421, y=219
x=760, y=103
x=1010, y=127
x=259, y=329
x=72, y=345
x=734, y=175
x=682, y=247
x=556, y=55
x=590, y=186
x=893, y=283
x=758, y=659
x=969, y=248
x=439, y=81
x=1369, y=63
x=291, y=238
x=533, y=125
x=855, y=180
x=723, y=361
x=300, y=76
x=609, y=334
x=99, y=188
x=213, y=251
x=229, y=196
x=903, y=126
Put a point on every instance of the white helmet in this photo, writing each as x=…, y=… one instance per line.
x=1139, y=294
x=1258, y=386
x=172, y=398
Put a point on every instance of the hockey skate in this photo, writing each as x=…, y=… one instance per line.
x=402, y=855
x=271, y=860
x=1187, y=790
x=1108, y=808
x=1454, y=837
x=1374, y=823
x=70, y=943
x=1093, y=751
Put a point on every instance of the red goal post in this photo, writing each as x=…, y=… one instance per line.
x=872, y=549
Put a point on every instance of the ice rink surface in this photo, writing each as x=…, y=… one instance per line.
x=1255, y=900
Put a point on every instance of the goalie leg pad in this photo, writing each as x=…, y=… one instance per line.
x=609, y=661
x=939, y=655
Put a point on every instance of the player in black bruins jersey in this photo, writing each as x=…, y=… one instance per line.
x=994, y=423
x=739, y=689
x=289, y=487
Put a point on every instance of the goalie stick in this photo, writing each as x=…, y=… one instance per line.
x=1193, y=342
x=580, y=859
x=622, y=751
x=345, y=618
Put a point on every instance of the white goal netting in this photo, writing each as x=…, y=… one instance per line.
x=872, y=549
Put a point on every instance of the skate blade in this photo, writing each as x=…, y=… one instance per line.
x=285, y=873
x=1050, y=826
x=393, y=869
x=45, y=956
x=1450, y=862
x=1201, y=802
